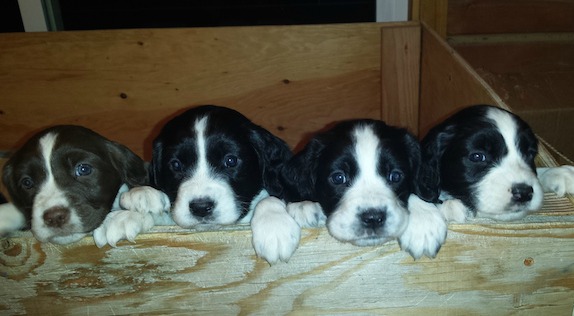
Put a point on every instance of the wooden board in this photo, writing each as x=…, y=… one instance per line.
x=533, y=74
x=433, y=13
x=485, y=268
x=400, y=75
x=509, y=16
x=448, y=83
x=126, y=83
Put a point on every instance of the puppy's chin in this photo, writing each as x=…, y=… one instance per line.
x=353, y=232
x=225, y=209
x=508, y=211
x=497, y=203
x=210, y=223
x=69, y=232
x=63, y=240
x=371, y=241
x=508, y=216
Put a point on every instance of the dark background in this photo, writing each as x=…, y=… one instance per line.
x=114, y=14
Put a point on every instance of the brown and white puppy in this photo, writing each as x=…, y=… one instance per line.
x=64, y=181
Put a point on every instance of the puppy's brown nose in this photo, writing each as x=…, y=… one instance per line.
x=56, y=217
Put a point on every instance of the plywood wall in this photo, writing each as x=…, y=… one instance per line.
x=126, y=83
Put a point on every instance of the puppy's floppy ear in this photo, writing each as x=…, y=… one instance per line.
x=433, y=147
x=10, y=183
x=299, y=174
x=130, y=167
x=17, y=199
x=273, y=152
x=155, y=164
x=7, y=177
x=415, y=163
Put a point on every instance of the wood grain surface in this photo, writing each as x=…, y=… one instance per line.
x=485, y=268
x=400, y=75
x=509, y=16
x=448, y=83
x=126, y=83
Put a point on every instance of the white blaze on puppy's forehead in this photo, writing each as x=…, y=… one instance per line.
x=506, y=124
x=200, y=127
x=49, y=194
x=366, y=149
x=46, y=147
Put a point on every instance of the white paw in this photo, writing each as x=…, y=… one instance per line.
x=426, y=229
x=145, y=200
x=307, y=213
x=559, y=180
x=120, y=225
x=276, y=235
x=453, y=211
x=11, y=219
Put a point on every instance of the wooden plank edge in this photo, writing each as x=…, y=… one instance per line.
x=400, y=76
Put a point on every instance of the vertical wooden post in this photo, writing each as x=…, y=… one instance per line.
x=400, y=75
x=433, y=12
x=448, y=82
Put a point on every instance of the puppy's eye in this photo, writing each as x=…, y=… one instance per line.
x=231, y=161
x=83, y=169
x=338, y=178
x=175, y=165
x=395, y=176
x=477, y=157
x=27, y=183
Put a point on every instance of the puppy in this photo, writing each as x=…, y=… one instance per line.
x=362, y=174
x=64, y=181
x=212, y=165
x=481, y=163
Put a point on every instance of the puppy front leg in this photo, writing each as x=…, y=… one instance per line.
x=426, y=229
x=276, y=234
x=454, y=210
x=141, y=209
x=11, y=219
x=559, y=180
x=122, y=224
x=307, y=213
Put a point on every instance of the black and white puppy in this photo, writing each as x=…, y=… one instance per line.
x=363, y=174
x=212, y=165
x=64, y=181
x=482, y=164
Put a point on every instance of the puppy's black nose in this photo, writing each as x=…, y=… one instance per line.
x=56, y=217
x=201, y=207
x=373, y=218
x=521, y=192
